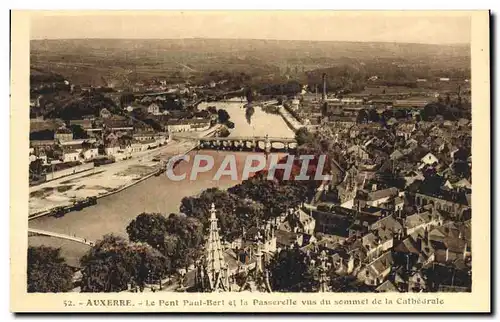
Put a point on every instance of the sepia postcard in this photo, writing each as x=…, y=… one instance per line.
x=250, y=161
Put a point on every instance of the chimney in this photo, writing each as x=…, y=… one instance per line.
x=323, y=96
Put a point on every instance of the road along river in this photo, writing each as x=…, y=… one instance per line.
x=113, y=213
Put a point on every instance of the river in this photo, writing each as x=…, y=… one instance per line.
x=157, y=194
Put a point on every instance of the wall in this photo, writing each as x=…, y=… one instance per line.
x=66, y=172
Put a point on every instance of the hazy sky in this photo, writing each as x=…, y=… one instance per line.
x=415, y=27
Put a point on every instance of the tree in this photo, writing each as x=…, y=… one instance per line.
x=223, y=116
x=114, y=263
x=362, y=116
x=126, y=99
x=177, y=237
x=373, y=115
x=47, y=271
x=78, y=132
x=290, y=272
x=249, y=111
x=303, y=136
x=148, y=228
x=249, y=94
x=212, y=109
x=36, y=167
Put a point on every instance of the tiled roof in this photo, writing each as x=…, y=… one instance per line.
x=380, y=194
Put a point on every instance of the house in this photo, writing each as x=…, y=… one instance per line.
x=405, y=130
x=376, y=244
x=392, y=121
x=84, y=124
x=154, y=109
x=63, y=134
x=351, y=101
x=396, y=155
x=358, y=152
x=104, y=113
x=424, y=220
x=413, y=176
x=90, y=153
x=70, y=155
x=185, y=125
x=388, y=223
x=377, y=271
x=379, y=197
x=178, y=126
x=200, y=124
x=286, y=239
x=299, y=222
x=399, y=203
x=112, y=148
x=429, y=159
x=144, y=136
x=387, y=287
x=136, y=146
x=417, y=282
x=118, y=125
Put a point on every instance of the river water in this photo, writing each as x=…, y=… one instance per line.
x=112, y=214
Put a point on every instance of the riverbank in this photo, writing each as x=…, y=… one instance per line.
x=106, y=180
x=289, y=119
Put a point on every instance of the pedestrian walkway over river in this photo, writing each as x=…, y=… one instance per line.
x=62, y=236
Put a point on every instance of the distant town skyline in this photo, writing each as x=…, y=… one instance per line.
x=396, y=26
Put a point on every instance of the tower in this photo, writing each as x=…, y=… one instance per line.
x=213, y=274
x=323, y=94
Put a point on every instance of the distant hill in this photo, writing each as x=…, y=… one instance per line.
x=125, y=60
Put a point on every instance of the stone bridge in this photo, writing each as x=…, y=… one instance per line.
x=34, y=232
x=248, y=143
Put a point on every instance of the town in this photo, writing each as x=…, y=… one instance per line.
x=393, y=215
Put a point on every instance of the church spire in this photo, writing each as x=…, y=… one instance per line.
x=215, y=263
x=323, y=282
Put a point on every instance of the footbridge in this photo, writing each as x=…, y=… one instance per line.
x=85, y=241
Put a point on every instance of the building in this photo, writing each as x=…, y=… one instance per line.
x=422, y=221
x=105, y=113
x=410, y=103
x=154, y=109
x=70, y=155
x=90, y=153
x=298, y=221
x=112, y=148
x=63, y=134
x=144, y=136
x=375, y=272
x=405, y=130
x=186, y=125
x=429, y=159
x=84, y=124
x=352, y=101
